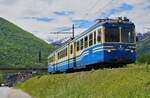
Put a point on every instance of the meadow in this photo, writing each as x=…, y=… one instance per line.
x=130, y=82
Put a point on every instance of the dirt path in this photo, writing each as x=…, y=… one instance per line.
x=6, y=92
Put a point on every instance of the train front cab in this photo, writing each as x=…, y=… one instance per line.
x=119, y=43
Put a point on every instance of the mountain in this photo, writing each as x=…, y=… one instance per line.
x=143, y=50
x=142, y=36
x=61, y=42
x=19, y=48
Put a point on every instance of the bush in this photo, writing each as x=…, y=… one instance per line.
x=1, y=78
x=145, y=58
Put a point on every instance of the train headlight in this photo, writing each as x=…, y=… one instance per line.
x=132, y=51
x=109, y=51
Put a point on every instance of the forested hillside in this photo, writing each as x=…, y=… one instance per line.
x=19, y=48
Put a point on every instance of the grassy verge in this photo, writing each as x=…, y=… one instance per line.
x=131, y=82
x=1, y=78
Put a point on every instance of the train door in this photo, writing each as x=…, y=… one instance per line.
x=54, y=64
x=56, y=60
x=68, y=52
x=74, y=55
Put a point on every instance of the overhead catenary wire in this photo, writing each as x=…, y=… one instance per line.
x=88, y=12
x=109, y=4
x=90, y=8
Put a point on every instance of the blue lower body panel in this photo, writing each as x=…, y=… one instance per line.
x=119, y=57
x=95, y=55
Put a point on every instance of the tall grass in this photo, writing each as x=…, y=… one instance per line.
x=1, y=78
x=131, y=82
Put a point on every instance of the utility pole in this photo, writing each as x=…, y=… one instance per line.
x=71, y=33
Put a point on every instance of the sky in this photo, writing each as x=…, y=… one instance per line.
x=41, y=17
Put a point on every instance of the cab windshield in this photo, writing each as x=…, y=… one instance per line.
x=119, y=34
x=112, y=34
x=127, y=35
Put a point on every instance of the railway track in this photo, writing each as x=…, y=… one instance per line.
x=11, y=76
x=25, y=70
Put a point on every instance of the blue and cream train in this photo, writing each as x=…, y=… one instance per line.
x=109, y=41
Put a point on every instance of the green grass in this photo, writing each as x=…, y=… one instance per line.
x=1, y=78
x=131, y=82
x=19, y=48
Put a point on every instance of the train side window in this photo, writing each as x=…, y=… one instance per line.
x=71, y=49
x=66, y=51
x=81, y=43
x=99, y=36
x=62, y=53
x=91, y=39
x=52, y=59
x=58, y=55
x=94, y=37
x=86, y=42
x=78, y=46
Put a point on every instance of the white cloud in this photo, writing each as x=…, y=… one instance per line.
x=16, y=10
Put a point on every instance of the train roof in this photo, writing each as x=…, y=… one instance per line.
x=102, y=22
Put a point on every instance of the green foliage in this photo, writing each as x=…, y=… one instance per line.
x=19, y=48
x=143, y=51
x=145, y=58
x=132, y=82
x=1, y=78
